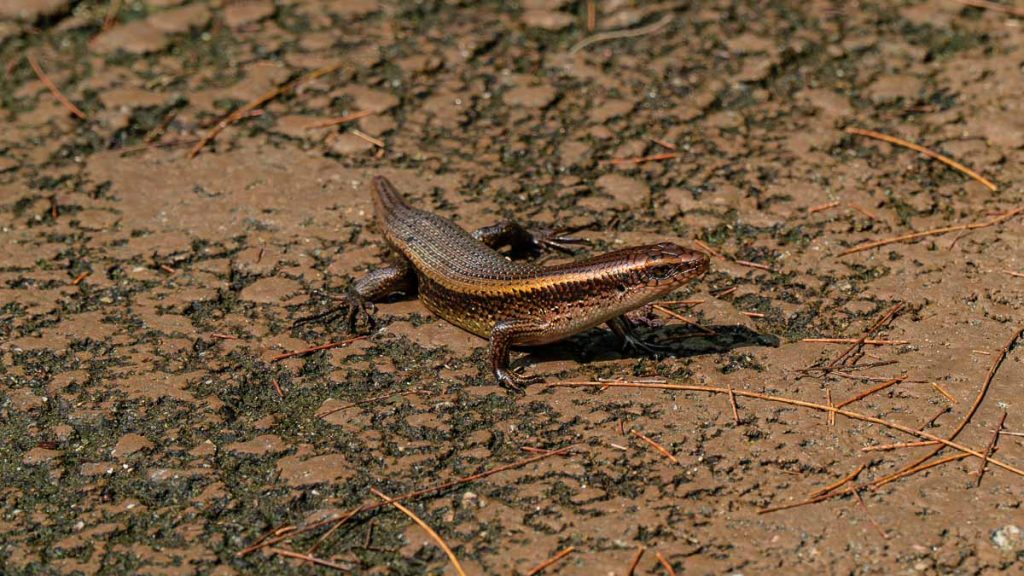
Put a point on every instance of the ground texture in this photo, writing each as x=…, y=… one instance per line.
x=145, y=428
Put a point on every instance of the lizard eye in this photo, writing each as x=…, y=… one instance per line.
x=663, y=272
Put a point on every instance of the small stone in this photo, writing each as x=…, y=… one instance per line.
x=270, y=290
x=181, y=20
x=610, y=109
x=131, y=98
x=97, y=468
x=137, y=37
x=1000, y=129
x=241, y=14
x=24, y=400
x=351, y=8
x=7, y=163
x=204, y=449
x=130, y=444
x=31, y=10
x=369, y=99
x=891, y=88
x=575, y=153
x=538, y=97
x=1009, y=538
x=347, y=144
x=91, y=219
x=319, y=469
x=547, y=19
x=258, y=446
x=297, y=126
x=628, y=192
x=39, y=455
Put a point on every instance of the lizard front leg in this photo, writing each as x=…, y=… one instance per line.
x=504, y=335
x=626, y=332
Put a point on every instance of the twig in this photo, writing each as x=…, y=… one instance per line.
x=591, y=16
x=724, y=292
x=1014, y=274
x=221, y=336
x=339, y=520
x=995, y=7
x=340, y=120
x=735, y=408
x=898, y=445
x=636, y=559
x=655, y=445
x=878, y=483
x=664, y=562
x=437, y=538
x=838, y=483
x=871, y=391
x=111, y=17
x=534, y=450
x=793, y=402
x=245, y=109
x=78, y=279
x=831, y=416
x=932, y=420
x=308, y=558
x=885, y=319
x=872, y=486
x=664, y=143
x=868, y=342
x=942, y=391
x=860, y=500
x=149, y=145
x=750, y=264
x=327, y=346
x=988, y=451
x=550, y=561
x=683, y=319
x=822, y=207
x=277, y=387
x=678, y=302
x=363, y=135
x=933, y=232
x=849, y=376
x=618, y=34
x=996, y=363
x=367, y=401
x=930, y=153
x=53, y=87
x=643, y=159
x=707, y=248
x=752, y=314
x=863, y=211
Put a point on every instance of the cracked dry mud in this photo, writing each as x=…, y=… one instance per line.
x=144, y=294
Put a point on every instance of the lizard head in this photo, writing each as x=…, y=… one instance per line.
x=667, y=266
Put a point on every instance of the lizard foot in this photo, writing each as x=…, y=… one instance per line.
x=515, y=382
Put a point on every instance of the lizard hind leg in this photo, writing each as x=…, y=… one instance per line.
x=504, y=335
x=376, y=285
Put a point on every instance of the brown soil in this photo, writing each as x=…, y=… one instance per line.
x=143, y=294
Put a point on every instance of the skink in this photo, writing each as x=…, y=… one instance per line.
x=463, y=279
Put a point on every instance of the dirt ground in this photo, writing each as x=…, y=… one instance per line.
x=146, y=427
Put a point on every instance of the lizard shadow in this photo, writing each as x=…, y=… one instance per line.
x=676, y=341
